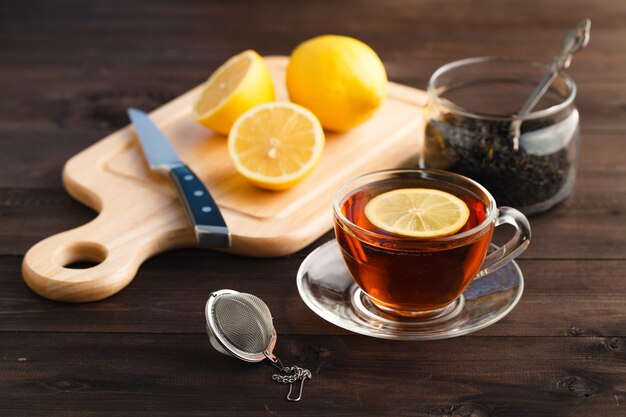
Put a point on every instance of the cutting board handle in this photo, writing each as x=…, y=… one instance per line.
x=50, y=267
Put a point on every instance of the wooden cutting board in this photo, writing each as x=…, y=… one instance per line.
x=140, y=215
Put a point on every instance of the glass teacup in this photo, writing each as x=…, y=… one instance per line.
x=421, y=277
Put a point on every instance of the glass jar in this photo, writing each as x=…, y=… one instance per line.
x=528, y=162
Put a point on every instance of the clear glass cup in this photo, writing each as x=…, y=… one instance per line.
x=528, y=162
x=414, y=277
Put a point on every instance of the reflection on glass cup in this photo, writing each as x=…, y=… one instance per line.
x=417, y=277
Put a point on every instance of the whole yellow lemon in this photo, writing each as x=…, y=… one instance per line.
x=339, y=78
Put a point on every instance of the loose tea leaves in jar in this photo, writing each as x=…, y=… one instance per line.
x=484, y=150
x=473, y=128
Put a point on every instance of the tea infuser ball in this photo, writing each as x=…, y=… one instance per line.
x=240, y=325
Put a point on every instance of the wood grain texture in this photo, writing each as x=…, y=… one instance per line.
x=69, y=70
x=352, y=375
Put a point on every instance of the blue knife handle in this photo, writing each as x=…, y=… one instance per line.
x=208, y=224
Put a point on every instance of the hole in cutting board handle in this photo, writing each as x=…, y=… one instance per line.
x=81, y=255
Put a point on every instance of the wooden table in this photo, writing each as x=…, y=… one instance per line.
x=69, y=69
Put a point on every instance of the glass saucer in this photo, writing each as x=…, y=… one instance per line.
x=326, y=287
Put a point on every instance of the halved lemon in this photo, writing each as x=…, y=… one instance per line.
x=418, y=212
x=276, y=145
x=239, y=84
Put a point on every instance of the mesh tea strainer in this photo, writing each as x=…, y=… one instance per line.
x=240, y=325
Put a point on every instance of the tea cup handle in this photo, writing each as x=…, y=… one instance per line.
x=514, y=247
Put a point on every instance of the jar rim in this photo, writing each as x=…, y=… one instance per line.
x=453, y=107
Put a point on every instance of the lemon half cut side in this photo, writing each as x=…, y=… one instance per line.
x=276, y=145
x=239, y=84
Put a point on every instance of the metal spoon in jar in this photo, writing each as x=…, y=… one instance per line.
x=575, y=40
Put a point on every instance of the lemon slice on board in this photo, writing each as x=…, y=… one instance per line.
x=239, y=84
x=418, y=212
x=276, y=145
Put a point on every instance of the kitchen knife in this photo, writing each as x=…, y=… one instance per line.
x=207, y=221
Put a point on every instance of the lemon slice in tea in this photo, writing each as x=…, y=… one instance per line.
x=418, y=212
x=276, y=145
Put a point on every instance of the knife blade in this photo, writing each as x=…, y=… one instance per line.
x=208, y=224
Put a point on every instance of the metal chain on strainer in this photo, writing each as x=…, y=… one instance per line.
x=299, y=374
x=240, y=325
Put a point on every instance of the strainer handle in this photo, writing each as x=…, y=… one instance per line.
x=274, y=360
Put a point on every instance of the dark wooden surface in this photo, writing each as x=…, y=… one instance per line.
x=68, y=69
